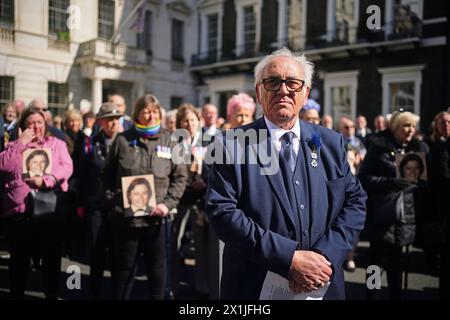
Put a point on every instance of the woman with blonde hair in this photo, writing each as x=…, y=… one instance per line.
x=72, y=125
x=390, y=230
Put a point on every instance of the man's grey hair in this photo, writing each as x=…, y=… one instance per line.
x=307, y=66
x=33, y=103
x=209, y=104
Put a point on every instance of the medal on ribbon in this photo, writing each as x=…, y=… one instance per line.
x=314, y=144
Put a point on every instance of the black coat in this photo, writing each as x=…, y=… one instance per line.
x=90, y=173
x=386, y=195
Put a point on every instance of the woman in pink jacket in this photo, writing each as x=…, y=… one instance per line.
x=25, y=235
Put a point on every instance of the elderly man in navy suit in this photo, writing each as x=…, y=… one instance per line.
x=299, y=221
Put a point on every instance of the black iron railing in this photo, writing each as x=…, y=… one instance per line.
x=342, y=35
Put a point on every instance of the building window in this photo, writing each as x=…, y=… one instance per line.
x=57, y=19
x=401, y=88
x=340, y=94
x=296, y=24
x=401, y=95
x=211, y=15
x=403, y=18
x=144, y=38
x=342, y=20
x=7, y=12
x=6, y=90
x=177, y=40
x=105, y=19
x=248, y=29
x=57, y=97
x=175, y=102
x=224, y=96
x=212, y=34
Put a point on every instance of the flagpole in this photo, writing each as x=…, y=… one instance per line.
x=136, y=7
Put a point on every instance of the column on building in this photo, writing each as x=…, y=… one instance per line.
x=96, y=94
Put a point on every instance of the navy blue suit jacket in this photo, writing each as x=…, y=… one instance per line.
x=251, y=214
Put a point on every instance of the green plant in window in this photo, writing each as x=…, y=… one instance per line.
x=64, y=36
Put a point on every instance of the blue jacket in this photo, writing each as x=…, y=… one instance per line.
x=252, y=215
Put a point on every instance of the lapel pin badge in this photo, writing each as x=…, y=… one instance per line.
x=314, y=144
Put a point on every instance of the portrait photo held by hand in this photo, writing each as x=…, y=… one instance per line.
x=36, y=162
x=139, y=196
x=411, y=166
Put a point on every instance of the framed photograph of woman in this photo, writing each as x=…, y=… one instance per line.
x=138, y=195
x=411, y=166
x=36, y=162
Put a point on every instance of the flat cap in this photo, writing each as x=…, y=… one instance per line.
x=108, y=110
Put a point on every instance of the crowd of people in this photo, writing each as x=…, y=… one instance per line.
x=88, y=155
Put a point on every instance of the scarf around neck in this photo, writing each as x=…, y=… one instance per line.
x=147, y=131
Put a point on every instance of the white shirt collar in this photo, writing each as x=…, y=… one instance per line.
x=276, y=132
x=211, y=130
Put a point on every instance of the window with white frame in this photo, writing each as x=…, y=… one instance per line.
x=401, y=88
x=105, y=19
x=296, y=24
x=177, y=40
x=211, y=29
x=57, y=96
x=340, y=94
x=403, y=17
x=342, y=20
x=57, y=18
x=212, y=20
x=7, y=12
x=292, y=23
x=6, y=90
x=248, y=30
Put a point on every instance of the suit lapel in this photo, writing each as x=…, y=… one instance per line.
x=275, y=178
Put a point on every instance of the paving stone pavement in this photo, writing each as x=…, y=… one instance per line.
x=421, y=285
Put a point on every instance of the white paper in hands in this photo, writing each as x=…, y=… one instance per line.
x=275, y=287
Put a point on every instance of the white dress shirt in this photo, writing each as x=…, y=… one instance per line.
x=276, y=133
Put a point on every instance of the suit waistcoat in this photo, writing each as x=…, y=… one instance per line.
x=296, y=184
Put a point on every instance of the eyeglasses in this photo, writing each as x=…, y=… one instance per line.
x=274, y=84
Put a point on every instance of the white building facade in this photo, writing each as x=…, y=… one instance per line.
x=73, y=53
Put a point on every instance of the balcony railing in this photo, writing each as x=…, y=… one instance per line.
x=341, y=36
x=6, y=34
x=250, y=50
x=103, y=49
x=58, y=43
x=344, y=35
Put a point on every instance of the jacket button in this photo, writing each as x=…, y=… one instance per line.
x=305, y=232
x=291, y=234
x=297, y=183
x=302, y=207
